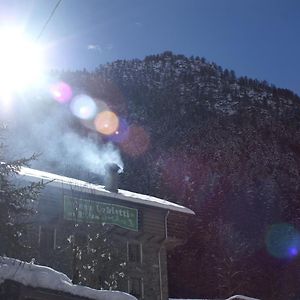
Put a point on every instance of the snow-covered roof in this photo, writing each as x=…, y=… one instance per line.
x=38, y=276
x=72, y=183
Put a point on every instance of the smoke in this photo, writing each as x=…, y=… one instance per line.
x=89, y=155
x=52, y=131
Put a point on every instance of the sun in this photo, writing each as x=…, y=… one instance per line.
x=21, y=62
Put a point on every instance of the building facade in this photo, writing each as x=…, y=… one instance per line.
x=105, y=237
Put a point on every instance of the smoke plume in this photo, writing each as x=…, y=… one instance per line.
x=50, y=130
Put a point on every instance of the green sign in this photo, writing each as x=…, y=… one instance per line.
x=83, y=210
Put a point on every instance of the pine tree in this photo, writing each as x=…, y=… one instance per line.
x=97, y=258
x=17, y=205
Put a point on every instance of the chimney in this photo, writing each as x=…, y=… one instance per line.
x=111, y=179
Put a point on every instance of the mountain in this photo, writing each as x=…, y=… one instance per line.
x=227, y=147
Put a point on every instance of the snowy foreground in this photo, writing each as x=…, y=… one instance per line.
x=33, y=275
x=236, y=297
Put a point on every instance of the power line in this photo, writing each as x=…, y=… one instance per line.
x=49, y=19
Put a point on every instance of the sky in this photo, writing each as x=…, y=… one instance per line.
x=256, y=38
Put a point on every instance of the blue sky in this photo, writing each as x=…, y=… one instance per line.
x=257, y=38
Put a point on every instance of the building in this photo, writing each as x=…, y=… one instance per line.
x=74, y=215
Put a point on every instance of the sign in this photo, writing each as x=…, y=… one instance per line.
x=83, y=210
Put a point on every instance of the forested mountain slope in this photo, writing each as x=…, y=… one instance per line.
x=227, y=147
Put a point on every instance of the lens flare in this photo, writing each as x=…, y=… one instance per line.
x=293, y=251
x=100, y=106
x=283, y=241
x=106, y=122
x=61, y=92
x=121, y=134
x=137, y=142
x=83, y=107
x=180, y=172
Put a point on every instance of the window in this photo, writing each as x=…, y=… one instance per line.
x=136, y=287
x=134, y=252
x=47, y=237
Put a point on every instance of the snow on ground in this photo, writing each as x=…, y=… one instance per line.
x=33, y=275
x=241, y=297
x=235, y=297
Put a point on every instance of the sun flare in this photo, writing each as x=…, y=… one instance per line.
x=21, y=62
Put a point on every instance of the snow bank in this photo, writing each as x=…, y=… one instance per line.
x=33, y=275
x=189, y=299
x=237, y=297
x=241, y=297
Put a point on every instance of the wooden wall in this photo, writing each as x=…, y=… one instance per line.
x=151, y=235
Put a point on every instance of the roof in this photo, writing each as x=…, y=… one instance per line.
x=72, y=183
x=39, y=276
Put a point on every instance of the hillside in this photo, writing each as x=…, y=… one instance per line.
x=227, y=147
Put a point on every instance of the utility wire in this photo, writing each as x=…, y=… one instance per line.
x=49, y=19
